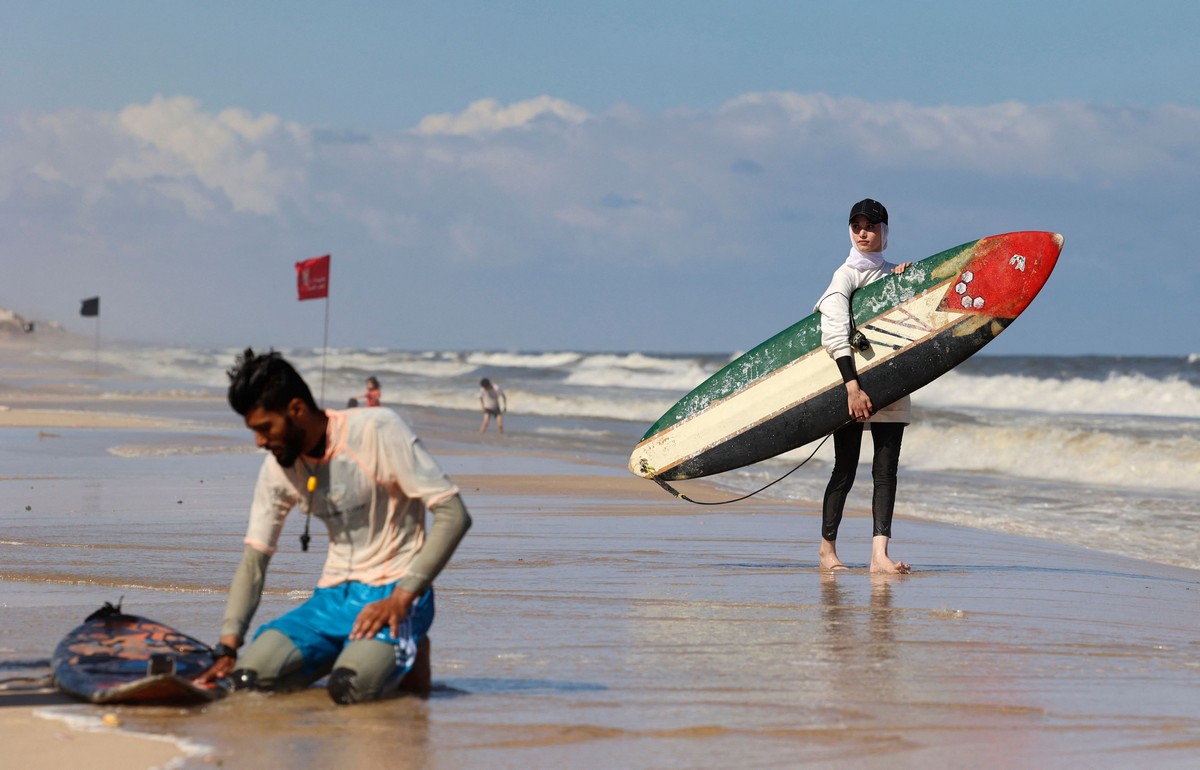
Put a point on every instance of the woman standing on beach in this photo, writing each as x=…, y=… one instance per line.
x=865, y=265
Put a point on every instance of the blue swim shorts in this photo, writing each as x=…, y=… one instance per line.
x=320, y=628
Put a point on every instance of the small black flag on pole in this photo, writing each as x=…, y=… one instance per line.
x=91, y=307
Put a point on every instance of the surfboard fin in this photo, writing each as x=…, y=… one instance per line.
x=107, y=611
x=160, y=663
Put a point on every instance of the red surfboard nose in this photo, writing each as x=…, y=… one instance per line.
x=1005, y=274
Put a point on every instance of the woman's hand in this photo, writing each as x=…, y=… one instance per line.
x=898, y=269
x=858, y=402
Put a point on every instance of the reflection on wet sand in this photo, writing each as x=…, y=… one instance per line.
x=860, y=634
x=302, y=731
x=600, y=623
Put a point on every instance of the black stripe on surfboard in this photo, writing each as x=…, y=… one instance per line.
x=818, y=416
x=903, y=340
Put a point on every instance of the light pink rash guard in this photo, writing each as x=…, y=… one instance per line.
x=373, y=486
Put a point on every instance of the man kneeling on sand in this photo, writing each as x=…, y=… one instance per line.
x=365, y=474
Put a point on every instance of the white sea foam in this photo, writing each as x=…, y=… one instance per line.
x=1084, y=457
x=161, y=393
x=1026, y=450
x=88, y=720
x=524, y=360
x=341, y=363
x=1116, y=394
x=681, y=378
x=543, y=404
x=178, y=450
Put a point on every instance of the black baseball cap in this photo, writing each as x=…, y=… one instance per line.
x=872, y=210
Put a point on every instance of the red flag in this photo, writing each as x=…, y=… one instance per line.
x=312, y=278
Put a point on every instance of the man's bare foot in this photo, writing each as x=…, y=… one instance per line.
x=828, y=556
x=881, y=562
x=419, y=679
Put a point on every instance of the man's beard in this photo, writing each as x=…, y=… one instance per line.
x=293, y=444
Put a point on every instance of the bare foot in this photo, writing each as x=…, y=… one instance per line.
x=881, y=562
x=419, y=679
x=889, y=567
x=829, y=559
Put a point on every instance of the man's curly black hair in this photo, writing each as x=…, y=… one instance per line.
x=267, y=381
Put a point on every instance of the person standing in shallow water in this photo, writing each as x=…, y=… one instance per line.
x=494, y=404
x=865, y=265
x=371, y=396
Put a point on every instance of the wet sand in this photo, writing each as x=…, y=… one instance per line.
x=589, y=620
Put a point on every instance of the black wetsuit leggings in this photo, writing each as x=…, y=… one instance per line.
x=847, y=442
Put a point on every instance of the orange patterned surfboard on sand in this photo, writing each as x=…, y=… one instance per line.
x=119, y=658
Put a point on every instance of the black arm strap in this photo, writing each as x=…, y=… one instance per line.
x=845, y=365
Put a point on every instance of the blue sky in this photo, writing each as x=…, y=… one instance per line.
x=655, y=176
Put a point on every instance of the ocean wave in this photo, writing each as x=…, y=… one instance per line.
x=349, y=369
x=680, y=373
x=164, y=394
x=178, y=450
x=1116, y=394
x=524, y=360
x=546, y=404
x=641, y=386
x=1076, y=456
x=681, y=378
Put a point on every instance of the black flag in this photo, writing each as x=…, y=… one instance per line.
x=90, y=307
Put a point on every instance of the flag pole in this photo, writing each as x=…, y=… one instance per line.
x=312, y=282
x=324, y=350
x=91, y=307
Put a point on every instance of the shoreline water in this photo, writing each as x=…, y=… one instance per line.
x=1093, y=451
x=590, y=620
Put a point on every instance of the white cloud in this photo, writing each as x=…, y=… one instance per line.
x=618, y=186
x=1060, y=140
x=179, y=143
x=173, y=148
x=542, y=193
x=488, y=116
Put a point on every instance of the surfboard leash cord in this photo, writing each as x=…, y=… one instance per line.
x=30, y=682
x=687, y=499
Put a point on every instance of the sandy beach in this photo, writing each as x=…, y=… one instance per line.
x=589, y=620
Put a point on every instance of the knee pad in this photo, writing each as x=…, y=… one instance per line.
x=342, y=687
x=244, y=679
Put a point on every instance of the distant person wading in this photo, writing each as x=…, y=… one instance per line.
x=371, y=396
x=494, y=404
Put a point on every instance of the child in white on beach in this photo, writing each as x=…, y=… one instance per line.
x=494, y=404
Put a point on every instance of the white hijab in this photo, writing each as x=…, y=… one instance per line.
x=872, y=260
